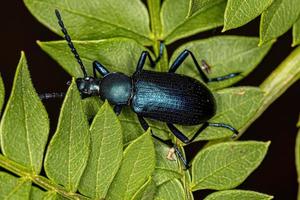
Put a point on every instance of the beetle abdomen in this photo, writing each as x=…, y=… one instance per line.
x=172, y=98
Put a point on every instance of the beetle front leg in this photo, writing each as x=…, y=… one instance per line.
x=97, y=66
x=179, y=60
x=117, y=109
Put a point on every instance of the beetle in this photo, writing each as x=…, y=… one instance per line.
x=164, y=96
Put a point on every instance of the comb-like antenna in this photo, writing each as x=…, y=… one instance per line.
x=70, y=43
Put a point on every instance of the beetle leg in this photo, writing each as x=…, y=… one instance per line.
x=179, y=60
x=182, y=137
x=146, y=54
x=142, y=61
x=225, y=126
x=186, y=140
x=145, y=126
x=117, y=109
x=97, y=66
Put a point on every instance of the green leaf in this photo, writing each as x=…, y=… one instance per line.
x=161, y=176
x=137, y=166
x=237, y=195
x=165, y=169
x=240, y=12
x=13, y=188
x=225, y=55
x=130, y=125
x=68, y=151
x=132, y=128
x=296, y=33
x=94, y=20
x=2, y=93
x=106, y=154
x=24, y=123
x=196, y=5
x=226, y=165
x=171, y=190
x=117, y=54
x=38, y=194
x=91, y=106
x=278, y=18
x=146, y=192
x=177, y=21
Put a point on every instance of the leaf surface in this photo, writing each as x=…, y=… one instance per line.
x=240, y=12
x=137, y=165
x=146, y=192
x=68, y=151
x=226, y=165
x=117, y=54
x=224, y=55
x=105, y=154
x=24, y=123
x=171, y=190
x=278, y=18
x=296, y=33
x=13, y=188
x=2, y=93
x=38, y=194
x=180, y=20
x=95, y=19
x=237, y=195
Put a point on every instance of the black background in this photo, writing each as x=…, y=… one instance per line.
x=276, y=175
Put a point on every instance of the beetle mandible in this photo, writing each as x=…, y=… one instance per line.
x=164, y=96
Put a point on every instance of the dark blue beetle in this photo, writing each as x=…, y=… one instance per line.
x=163, y=96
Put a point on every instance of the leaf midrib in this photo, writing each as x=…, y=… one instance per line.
x=26, y=123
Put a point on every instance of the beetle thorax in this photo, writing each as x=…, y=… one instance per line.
x=116, y=88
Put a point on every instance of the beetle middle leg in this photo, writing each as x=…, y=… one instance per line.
x=179, y=60
x=186, y=140
x=169, y=143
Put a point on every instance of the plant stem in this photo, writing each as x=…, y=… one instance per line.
x=37, y=179
x=154, y=10
x=287, y=73
x=156, y=27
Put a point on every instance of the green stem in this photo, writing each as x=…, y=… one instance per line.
x=287, y=73
x=154, y=10
x=37, y=179
x=156, y=27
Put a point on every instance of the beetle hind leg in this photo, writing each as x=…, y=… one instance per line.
x=186, y=140
x=169, y=143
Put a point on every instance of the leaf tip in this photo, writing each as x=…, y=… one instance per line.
x=38, y=42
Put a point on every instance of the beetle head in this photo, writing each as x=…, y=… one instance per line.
x=88, y=86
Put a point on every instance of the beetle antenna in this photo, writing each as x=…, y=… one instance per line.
x=70, y=43
x=52, y=95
